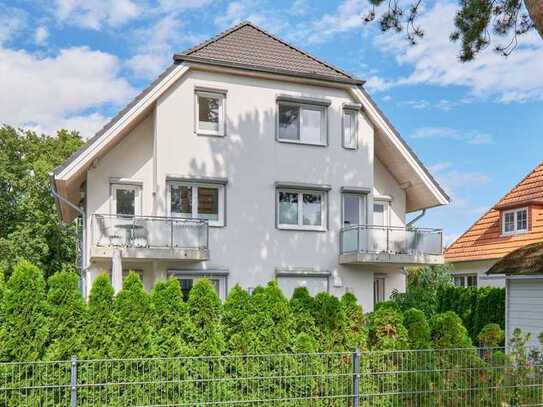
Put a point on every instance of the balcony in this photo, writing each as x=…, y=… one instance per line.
x=367, y=244
x=149, y=237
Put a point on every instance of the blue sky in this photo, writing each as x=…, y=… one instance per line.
x=477, y=126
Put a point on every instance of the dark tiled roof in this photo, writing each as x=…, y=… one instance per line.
x=247, y=45
x=526, y=260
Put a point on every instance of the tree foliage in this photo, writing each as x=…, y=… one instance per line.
x=29, y=226
x=238, y=321
x=100, y=323
x=448, y=331
x=418, y=329
x=386, y=330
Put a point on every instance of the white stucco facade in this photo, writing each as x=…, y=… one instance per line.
x=478, y=269
x=249, y=249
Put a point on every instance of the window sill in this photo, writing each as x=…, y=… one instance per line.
x=301, y=228
x=205, y=134
x=302, y=143
x=509, y=234
x=350, y=148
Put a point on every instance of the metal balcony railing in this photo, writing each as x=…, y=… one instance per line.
x=149, y=232
x=392, y=240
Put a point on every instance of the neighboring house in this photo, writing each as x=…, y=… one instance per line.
x=249, y=160
x=515, y=221
x=523, y=269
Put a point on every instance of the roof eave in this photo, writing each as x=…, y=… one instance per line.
x=283, y=72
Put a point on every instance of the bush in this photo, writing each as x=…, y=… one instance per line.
x=418, y=329
x=100, y=324
x=448, y=331
x=331, y=322
x=491, y=336
x=67, y=316
x=238, y=314
x=490, y=308
x=302, y=305
x=132, y=334
x=23, y=335
x=421, y=298
x=386, y=330
x=356, y=336
x=205, y=310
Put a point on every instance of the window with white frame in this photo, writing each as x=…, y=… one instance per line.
x=125, y=199
x=188, y=279
x=515, y=221
x=197, y=201
x=302, y=123
x=210, y=116
x=350, y=129
x=301, y=209
x=465, y=280
x=354, y=209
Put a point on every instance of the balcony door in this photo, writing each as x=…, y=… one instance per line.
x=354, y=214
x=381, y=223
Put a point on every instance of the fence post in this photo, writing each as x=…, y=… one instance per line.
x=73, y=382
x=356, y=377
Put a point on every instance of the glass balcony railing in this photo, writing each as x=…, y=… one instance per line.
x=150, y=232
x=391, y=240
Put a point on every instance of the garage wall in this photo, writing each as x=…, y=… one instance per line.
x=525, y=307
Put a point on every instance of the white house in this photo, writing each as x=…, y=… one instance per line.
x=249, y=160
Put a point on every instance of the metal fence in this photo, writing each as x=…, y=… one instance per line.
x=452, y=377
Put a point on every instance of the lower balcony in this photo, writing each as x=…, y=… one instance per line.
x=149, y=237
x=367, y=244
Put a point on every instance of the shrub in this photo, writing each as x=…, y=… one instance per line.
x=24, y=333
x=356, y=332
x=205, y=310
x=100, y=324
x=418, y=297
x=67, y=314
x=238, y=314
x=170, y=319
x=132, y=335
x=491, y=336
x=448, y=331
x=490, y=308
x=331, y=322
x=386, y=330
x=302, y=306
x=418, y=329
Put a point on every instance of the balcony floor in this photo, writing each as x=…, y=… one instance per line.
x=138, y=253
x=391, y=258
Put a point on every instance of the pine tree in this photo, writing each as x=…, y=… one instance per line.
x=205, y=311
x=67, y=316
x=24, y=333
x=100, y=325
x=171, y=324
x=132, y=335
x=238, y=318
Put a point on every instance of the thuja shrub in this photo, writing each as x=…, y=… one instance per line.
x=418, y=329
x=386, y=330
x=490, y=308
x=100, y=322
x=491, y=336
x=331, y=322
x=356, y=334
x=447, y=331
x=25, y=328
x=238, y=317
x=67, y=314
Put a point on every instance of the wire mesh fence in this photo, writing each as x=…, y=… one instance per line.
x=452, y=377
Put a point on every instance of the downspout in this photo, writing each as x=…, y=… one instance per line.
x=58, y=198
x=417, y=218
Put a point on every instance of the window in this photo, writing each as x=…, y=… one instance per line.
x=354, y=209
x=301, y=209
x=465, y=280
x=299, y=123
x=210, y=113
x=125, y=199
x=350, y=129
x=188, y=280
x=197, y=201
x=378, y=290
x=381, y=213
x=515, y=221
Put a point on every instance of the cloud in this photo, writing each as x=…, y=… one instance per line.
x=376, y=84
x=94, y=14
x=469, y=137
x=434, y=61
x=177, y=6
x=12, y=22
x=41, y=35
x=65, y=89
x=273, y=20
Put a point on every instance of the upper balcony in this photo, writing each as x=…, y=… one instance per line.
x=367, y=244
x=149, y=237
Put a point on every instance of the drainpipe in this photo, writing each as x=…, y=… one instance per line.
x=417, y=218
x=58, y=198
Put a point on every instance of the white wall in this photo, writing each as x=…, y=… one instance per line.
x=525, y=307
x=480, y=267
x=250, y=247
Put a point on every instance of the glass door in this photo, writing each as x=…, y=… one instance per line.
x=354, y=214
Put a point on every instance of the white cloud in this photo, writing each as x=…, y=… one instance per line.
x=94, y=14
x=468, y=136
x=434, y=61
x=438, y=167
x=41, y=35
x=375, y=84
x=252, y=10
x=176, y=5
x=51, y=92
x=12, y=21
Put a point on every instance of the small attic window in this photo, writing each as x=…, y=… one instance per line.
x=210, y=113
x=515, y=221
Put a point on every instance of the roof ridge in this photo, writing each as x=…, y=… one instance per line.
x=272, y=36
x=518, y=184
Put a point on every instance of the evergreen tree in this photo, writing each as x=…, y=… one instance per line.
x=356, y=322
x=331, y=322
x=448, y=331
x=67, y=314
x=302, y=306
x=171, y=324
x=386, y=330
x=205, y=311
x=100, y=325
x=24, y=333
x=238, y=319
x=132, y=335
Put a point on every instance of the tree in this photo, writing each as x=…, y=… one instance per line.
x=474, y=22
x=356, y=329
x=170, y=319
x=67, y=313
x=302, y=305
x=238, y=319
x=331, y=322
x=448, y=332
x=132, y=312
x=418, y=329
x=205, y=310
x=29, y=225
x=100, y=324
x=24, y=333
x=386, y=330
